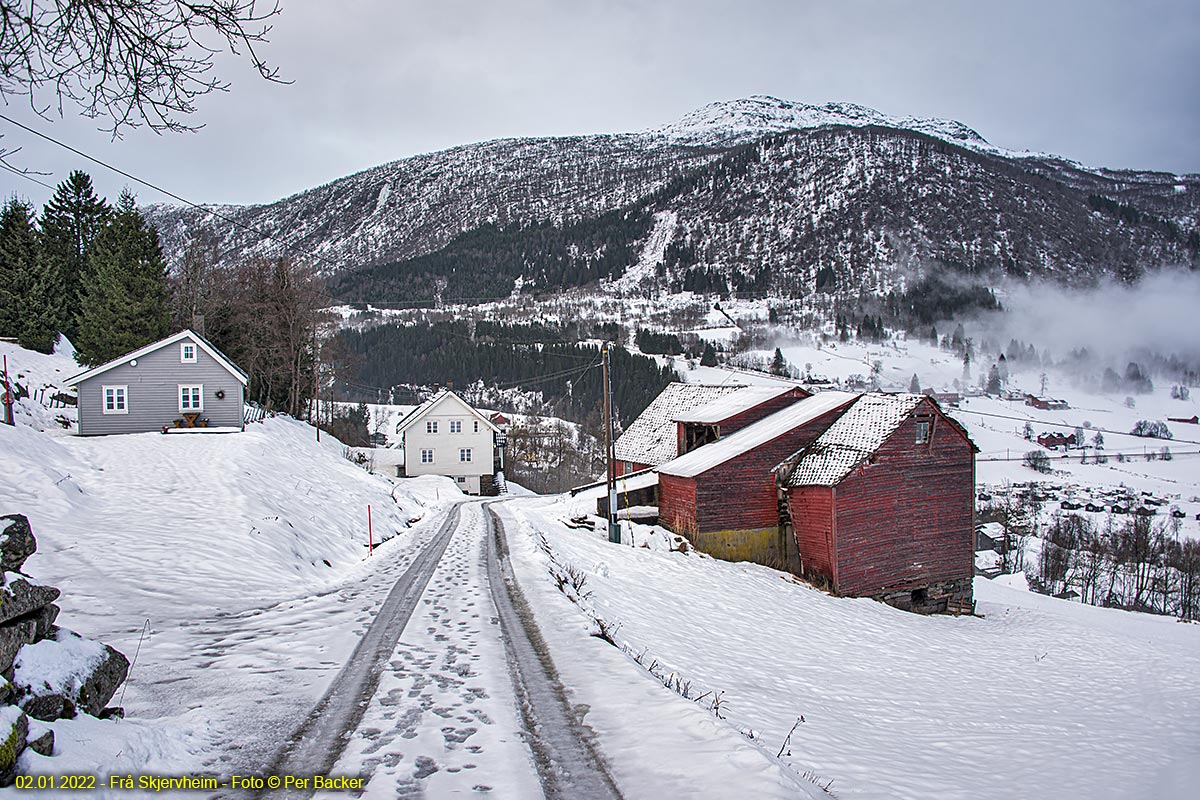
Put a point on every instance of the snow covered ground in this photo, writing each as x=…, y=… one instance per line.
x=242, y=558
x=1040, y=698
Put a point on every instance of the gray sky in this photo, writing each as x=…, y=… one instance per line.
x=1107, y=83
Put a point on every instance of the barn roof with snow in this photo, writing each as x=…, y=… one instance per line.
x=853, y=438
x=734, y=403
x=652, y=437
x=716, y=453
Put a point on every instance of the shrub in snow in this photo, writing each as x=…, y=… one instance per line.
x=1037, y=461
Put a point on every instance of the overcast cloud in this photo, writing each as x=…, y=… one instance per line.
x=1109, y=83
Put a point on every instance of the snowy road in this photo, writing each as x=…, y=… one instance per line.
x=567, y=763
x=451, y=689
x=318, y=742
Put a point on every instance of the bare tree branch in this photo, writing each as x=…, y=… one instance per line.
x=128, y=62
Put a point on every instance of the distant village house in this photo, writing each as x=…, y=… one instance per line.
x=446, y=436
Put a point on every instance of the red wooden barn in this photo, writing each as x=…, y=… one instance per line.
x=722, y=495
x=882, y=504
x=651, y=439
x=687, y=415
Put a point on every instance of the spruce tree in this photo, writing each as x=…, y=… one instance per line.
x=914, y=385
x=779, y=365
x=125, y=300
x=25, y=310
x=70, y=222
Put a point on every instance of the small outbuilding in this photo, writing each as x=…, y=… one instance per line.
x=181, y=382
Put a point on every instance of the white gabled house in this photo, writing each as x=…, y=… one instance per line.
x=181, y=382
x=445, y=436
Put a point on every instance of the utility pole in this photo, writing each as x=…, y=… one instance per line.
x=614, y=530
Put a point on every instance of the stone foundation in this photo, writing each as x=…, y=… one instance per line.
x=930, y=598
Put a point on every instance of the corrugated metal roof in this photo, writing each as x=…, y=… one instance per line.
x=852, y=438
x=650, y=439
x=716, y=453
x=733, y=403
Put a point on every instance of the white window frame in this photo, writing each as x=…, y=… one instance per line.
x=464, y=455
x=427, y=455
x=122, y=391
x=477, y=426
x=456, y=426
x=183, y=352
x=199, y=395
x=924, y=430
x=431, y=426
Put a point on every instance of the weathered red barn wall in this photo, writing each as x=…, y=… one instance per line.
x=811, y=512
x=625, y=467
x=741, y=494
x=908, y=518
x=677, y=503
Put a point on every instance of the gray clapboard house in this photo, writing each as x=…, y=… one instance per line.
x=182, y=382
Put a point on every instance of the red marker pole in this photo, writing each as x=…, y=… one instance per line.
x=370, y=534
x=8, y=398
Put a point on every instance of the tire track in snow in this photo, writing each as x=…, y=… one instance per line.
x=315, y=746
x=567, y=763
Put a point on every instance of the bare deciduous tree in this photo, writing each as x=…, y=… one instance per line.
x=130, y=62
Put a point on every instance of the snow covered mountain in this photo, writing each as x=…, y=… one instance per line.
x=752, y=195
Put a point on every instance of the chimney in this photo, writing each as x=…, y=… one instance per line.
x=198, y=324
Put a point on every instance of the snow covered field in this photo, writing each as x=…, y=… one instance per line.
x=1040, y=698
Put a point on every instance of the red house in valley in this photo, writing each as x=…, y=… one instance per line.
x=722, y=495
x=881, y=504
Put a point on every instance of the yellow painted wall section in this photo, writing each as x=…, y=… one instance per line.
x=760, y=545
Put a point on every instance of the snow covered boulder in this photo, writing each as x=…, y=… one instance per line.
x=13, y=636
x=14, y=727
x=65, y=672
x=21, y=595
x=16, y=542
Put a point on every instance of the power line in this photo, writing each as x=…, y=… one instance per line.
x=231, y=220
x=1067, y=424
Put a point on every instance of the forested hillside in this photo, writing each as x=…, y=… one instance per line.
x=501, y=357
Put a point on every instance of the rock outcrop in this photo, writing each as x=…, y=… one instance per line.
x=46, y=672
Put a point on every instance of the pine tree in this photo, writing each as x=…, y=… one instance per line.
x=993, y=380
x=914, y=385
x=125, y=302
x=25, y=310
x=709, y=358
x=70, y=221
x=779, y=363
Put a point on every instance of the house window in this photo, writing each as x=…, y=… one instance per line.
x=115, y=400
x=464, y=455
x=922, y=431
x=426, y=456
x=431, y=426
x=187, y=353
x=477, y=426
x=461, y=479
x=191, y=398
x=456, y=426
